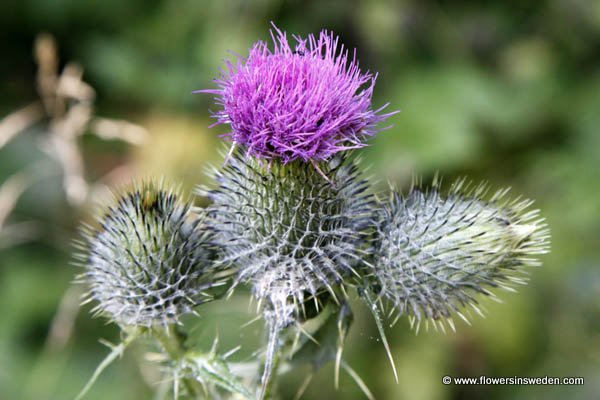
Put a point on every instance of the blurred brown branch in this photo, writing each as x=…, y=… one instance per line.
x=66, y=106
x=18, y=121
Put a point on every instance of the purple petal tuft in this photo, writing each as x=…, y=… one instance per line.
x=305, y=103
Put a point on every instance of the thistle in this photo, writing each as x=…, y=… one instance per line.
x=436, y=255
x=146, y=262
x=306, y=102
x=289, y=234
x=299, y=241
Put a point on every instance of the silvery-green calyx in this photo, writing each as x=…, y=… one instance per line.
x=148, y=261
x=436, y=254
x=289, y=233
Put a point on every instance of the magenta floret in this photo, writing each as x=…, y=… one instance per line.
x=304, y=103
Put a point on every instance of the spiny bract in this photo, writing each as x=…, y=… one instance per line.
x=435, y=254
x=146, y=262
x=287, y=231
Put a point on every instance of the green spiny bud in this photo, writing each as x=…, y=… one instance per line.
x=288, y=232
x=435, y=255
x=146, y=263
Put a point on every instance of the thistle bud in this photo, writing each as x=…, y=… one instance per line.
x=288, y=233
x=435, y=255
x=146, y=263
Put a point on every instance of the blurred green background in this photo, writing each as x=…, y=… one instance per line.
x=505, y=91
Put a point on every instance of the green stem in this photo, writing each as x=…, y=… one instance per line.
x=172, y=340
x=270, y=384
x=271, y=362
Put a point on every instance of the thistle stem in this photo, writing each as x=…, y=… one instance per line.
x=271, y=362
x=172, y=340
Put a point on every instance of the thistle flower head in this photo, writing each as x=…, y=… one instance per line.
x=307, y=101
x=287, y=232
x=435, y=255
x=146, y=262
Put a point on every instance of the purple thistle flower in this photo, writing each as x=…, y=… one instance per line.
x=305, y=103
